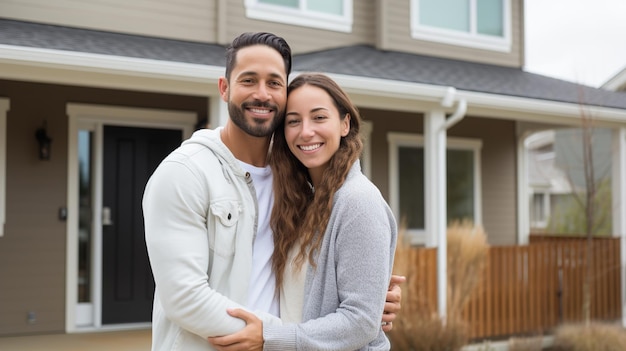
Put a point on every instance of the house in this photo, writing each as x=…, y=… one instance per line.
x=94, y=93
x=617, y=82
x=556, y=179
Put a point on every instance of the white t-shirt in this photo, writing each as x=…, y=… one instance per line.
x=261, y=294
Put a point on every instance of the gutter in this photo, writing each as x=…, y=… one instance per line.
x=410, y=96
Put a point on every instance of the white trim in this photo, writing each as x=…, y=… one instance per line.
x=301, y=16
x=366, y=135
x=107, y=71
x=405, y=96
x=536, y=110
x=467, y=39
x=84, y=315
x=394, y=140
x=89, y=62
x=94, y=117
x=5, y=105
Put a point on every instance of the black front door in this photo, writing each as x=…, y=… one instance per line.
x=130, y=157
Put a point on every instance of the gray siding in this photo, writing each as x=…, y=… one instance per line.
x=33, y=249
x=385, y=122
x=306, y=39
x=396, y=35
x=193, y=20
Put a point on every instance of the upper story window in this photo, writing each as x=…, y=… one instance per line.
x=335, y=15
x=482, y=24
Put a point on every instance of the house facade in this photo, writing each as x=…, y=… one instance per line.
x=93, y=94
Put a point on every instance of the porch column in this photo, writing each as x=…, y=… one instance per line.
x=435, y=197
x=523, y=206
x=4, y=107
x=218, y=111
x=618, y=185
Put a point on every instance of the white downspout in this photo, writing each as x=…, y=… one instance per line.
x=441, y=213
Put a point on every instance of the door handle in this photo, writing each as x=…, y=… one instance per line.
x=106, y=216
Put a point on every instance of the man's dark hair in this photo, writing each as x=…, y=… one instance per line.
x=260, y=38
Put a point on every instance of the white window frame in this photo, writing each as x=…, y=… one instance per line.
x=396, y=140
x=366, y=157
x=301, y=16
x=4, y=107
x=469, y=39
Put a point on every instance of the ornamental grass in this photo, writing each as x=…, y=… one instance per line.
x=418, y=327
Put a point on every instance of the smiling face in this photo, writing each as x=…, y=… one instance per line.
x=313, y=128
x=256, y=91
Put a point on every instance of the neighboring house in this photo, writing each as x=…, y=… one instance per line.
x=617, y=82
x=557, y=183
x=546, y=182
x=116, y=84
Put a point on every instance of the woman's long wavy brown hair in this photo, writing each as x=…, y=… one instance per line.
x=300, y=214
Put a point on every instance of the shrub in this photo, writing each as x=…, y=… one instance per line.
x=418, y=327
x=592, y=337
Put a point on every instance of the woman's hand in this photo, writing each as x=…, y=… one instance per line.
x=248, y=338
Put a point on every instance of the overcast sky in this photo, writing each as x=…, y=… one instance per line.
x=583, y=41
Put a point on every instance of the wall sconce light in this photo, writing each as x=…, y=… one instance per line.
x=44, y=142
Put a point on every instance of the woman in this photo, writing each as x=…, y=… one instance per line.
x=334, y=234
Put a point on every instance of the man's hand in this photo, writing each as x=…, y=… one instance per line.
x=392, y=304
x=248, y=338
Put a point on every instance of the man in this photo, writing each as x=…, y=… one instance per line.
x=207, y=208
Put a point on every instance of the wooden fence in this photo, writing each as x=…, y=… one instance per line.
x=530, y=289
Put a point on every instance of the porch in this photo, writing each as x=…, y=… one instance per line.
x=126, y=340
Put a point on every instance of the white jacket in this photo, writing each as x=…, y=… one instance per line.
x=200, y=221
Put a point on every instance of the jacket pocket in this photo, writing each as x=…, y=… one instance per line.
x=223, y=229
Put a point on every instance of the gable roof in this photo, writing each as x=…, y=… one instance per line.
x=358, y=60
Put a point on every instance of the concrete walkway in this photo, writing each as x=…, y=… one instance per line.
x=128, y=340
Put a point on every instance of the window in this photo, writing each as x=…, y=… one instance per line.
x=4, y=107
x=539, y=209
x=483, y=24
x=408, y=181
x=85, y=211
x=335, y=15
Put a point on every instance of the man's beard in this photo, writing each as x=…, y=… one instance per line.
x=257, y=128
